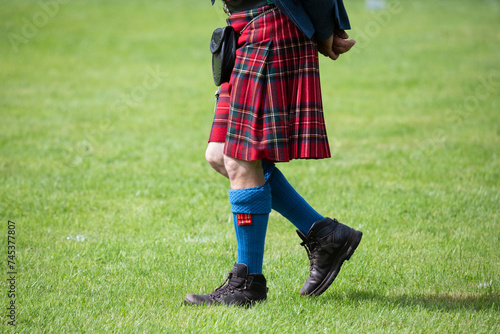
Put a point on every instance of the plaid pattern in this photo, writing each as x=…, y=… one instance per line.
x=219, y=126
x=275, y=110
x=244, y=219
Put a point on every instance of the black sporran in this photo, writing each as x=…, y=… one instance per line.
x=223, y=47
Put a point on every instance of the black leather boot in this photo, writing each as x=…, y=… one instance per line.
x=328, y=244
x=241, y=289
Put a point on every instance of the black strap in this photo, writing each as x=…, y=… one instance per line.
x=241, y=6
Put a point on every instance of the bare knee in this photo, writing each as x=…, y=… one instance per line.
x=231, y=166
x=215, y=157
x=244, y=174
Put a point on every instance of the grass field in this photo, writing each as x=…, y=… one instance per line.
x=105, y=109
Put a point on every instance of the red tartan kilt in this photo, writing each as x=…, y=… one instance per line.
x=271, y=108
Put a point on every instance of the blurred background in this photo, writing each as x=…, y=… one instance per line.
x=105, y=111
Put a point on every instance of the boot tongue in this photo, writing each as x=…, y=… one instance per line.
x=240, y=270
x=302, y=236
x=321, y=228
x=239, y=275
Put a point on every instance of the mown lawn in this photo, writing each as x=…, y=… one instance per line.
x=105, y=109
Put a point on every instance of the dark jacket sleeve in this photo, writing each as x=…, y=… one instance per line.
x=321, y=13
x=315, y=17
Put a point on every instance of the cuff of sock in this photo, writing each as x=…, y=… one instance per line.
x=255, y=200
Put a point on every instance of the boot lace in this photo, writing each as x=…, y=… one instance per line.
x=310, y=246
x=225, y=289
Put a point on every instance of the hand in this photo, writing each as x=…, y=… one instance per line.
x=335, y=45
x=325, y=47
x=340, y=42
x=341, y=33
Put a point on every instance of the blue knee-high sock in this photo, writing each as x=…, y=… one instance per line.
x=288, y=202
x=251, y=208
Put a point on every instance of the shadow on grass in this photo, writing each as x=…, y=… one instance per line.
x=438, y=302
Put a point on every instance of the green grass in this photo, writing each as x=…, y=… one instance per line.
x=105, y=110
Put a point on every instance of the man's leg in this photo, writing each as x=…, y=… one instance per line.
x=250, y=198
x=244, y=174
x=328, y=242
x=285, y=200
x=288, y=202
x=215, y=157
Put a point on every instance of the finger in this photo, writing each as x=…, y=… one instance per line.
x=341, y=33
x=332, y=55
x=342, y=46
x=323, y=52
x=325, y=47
x=329, y=53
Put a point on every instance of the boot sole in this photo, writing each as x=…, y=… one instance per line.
x=344, y=255
x=191, y=300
